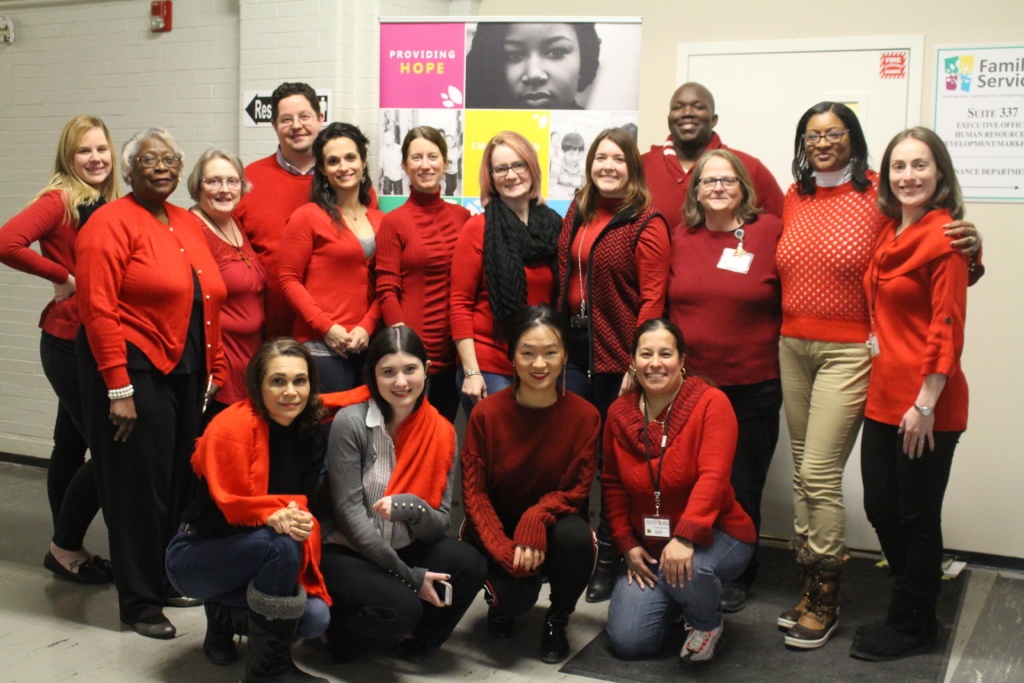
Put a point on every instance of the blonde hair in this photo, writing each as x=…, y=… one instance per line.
x=73, y=189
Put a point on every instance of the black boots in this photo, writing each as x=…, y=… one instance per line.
x=909, y=627
x=554, y=645
x=272, y=622
x=223, y=623
x=607, y=567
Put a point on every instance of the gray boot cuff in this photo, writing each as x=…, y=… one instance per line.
x=276, y=606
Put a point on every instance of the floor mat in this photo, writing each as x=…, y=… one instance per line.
x=752, y=648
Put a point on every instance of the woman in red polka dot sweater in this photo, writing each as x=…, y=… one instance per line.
x=831, y=223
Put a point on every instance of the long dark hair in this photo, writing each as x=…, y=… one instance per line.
x=655, y=324
x=802, y=171
x=256, y=371
x=537, y=316
x=400, y=339
x=638, y=196
x=321, y=193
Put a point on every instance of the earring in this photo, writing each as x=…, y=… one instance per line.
x=683, y=373
x=564, y=373
x=633, y=370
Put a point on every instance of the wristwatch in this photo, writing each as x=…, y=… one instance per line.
x=924, y=410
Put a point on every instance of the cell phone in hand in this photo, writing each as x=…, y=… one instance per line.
x=444, y=591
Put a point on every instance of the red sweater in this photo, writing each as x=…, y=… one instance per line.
x=241, y=316
x=917, y=289
x=135, y=285
x=263, y=211
x=523, y=469
x=471, y=316
x=45, y=221
x=626, y=277
x=669, y=182
x=414, y=258
x=696, y=495
x=731, y=320
x=325, y=275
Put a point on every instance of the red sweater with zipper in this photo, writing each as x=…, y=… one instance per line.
x=626, y=266
x=45, y=221
x=696, y=495
x=471, y=315
x=415, y=244
x=325, y=276
x=523, y=469
x=135, y=285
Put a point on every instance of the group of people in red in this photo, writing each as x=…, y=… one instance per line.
x=319, y=349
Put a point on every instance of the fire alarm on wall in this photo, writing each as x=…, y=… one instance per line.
x=160, y=16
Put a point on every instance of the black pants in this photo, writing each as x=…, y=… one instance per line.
x=373, y=608
x=146, y=481
x=757, y=409
x=568, y=563
x=70, y=479
x=443, y=394
x=903, y=501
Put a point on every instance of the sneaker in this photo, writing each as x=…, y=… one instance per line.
x=699, y=648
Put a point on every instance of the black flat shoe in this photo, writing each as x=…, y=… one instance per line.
x=161, y=629
x=87, y=573
x=182, y=601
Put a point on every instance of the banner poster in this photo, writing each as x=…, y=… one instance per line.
x=979, y=114
x=558, y=83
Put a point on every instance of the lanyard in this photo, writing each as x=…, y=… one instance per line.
x=656, y=480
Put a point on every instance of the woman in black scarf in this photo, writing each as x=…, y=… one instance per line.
x=503, y=262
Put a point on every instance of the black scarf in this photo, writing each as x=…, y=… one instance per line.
x=508, y=247
x=86, y=210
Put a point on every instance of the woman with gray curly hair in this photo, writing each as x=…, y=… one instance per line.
x=217, y=183
x=150, y=295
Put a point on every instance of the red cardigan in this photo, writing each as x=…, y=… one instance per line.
x=45, y=221
x=916, y=289
x=471, y=316
x=325, y=276
x=414, y=257
x=523, y=469
x=669, y=182
x=233, y=456
x=696, y=495
x=135, y=285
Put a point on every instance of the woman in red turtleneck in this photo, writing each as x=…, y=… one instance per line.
x=613, y=258
x=414, y=257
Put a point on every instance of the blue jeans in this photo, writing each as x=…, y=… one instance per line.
x=639, y=619
x=220, y=569
x=492, y=380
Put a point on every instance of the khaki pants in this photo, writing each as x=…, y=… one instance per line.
x=824, y=385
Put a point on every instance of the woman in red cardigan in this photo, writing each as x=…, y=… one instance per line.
x=613, y=262
x=249, y=546
x=669, y=446
x=414, y=258
x=527, y=466
x=150, y=296
x=84, y=178
x=504, y=261
x=325, y=259
x=916, y=407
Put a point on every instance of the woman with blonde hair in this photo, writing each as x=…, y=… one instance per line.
x=84, y=178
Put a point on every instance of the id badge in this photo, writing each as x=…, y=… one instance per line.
x=872, y=344
x=656, y=527
x=736, y=260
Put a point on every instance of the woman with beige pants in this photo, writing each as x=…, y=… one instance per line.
x=830, y=225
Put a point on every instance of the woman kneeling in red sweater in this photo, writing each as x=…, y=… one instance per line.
x=527, y=465
x=669, y=446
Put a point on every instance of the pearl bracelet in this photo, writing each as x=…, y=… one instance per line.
x=123, y=392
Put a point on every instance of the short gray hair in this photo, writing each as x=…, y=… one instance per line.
x=131, y=149
x=196, y=177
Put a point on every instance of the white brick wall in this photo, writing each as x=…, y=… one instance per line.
x=98, y=57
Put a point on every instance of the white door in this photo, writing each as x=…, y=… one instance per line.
x=761, y=89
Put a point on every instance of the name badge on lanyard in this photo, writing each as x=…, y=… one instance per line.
x=737, y=260
x=656, y=527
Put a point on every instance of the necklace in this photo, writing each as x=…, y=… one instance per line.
x=579, y=269
x=667, y=411
x=224, y=235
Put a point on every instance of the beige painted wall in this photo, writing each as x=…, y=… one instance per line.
x=985, y=501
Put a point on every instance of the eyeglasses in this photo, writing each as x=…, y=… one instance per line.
x=517, y=166
x=150, y=161
x=305, y=118
x=215, y=183
x=727, y=181
x=833, y=136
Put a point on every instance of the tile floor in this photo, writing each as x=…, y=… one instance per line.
x=53, y=630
